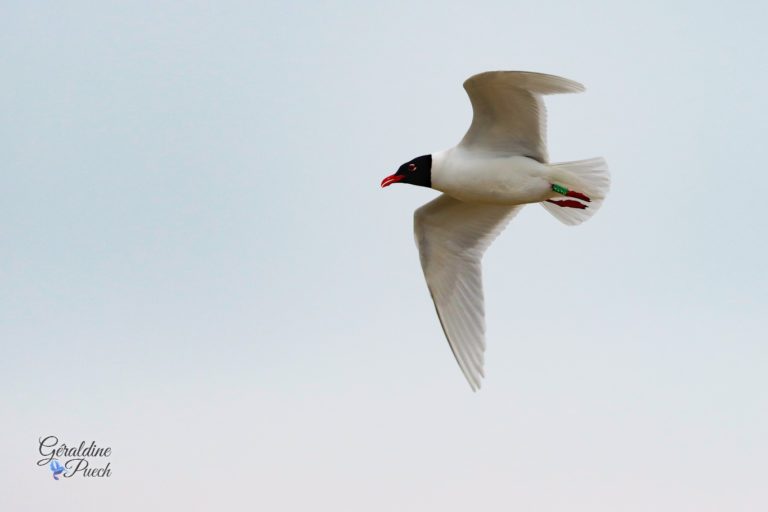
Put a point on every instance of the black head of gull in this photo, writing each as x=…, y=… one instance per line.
x=416, y=172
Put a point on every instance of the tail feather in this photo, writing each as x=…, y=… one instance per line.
x=590, y=177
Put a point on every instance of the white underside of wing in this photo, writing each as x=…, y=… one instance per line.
x=452, y=236
x=509, y=116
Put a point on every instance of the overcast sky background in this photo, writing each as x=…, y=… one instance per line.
x=198, y=268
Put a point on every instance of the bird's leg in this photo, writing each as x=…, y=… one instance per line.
x=569, y=193
x=568, y=203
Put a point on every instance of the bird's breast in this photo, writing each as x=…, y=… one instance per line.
x=490, y=179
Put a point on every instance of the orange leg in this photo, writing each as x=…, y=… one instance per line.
x=570, y=193
x=578, y=195
x=567, y=203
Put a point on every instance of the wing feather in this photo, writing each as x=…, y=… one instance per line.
x=452, y=236
x=508, y=113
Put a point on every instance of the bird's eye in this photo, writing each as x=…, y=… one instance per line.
x=411, y=167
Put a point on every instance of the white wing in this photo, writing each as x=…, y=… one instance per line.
x=452, y=236
x=508, y=114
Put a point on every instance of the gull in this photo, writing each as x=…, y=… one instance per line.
x=499, y=166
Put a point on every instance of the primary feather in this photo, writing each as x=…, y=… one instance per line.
x=452, y=236
x=508, y=114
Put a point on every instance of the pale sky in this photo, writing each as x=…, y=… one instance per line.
x=200, y=271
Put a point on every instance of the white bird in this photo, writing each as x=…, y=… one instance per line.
x=500, y=165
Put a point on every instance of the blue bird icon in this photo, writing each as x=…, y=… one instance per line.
x=57, y=468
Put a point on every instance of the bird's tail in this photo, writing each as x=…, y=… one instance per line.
x=588, y=177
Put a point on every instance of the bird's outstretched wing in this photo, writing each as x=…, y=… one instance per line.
x=508, y=114
x=452, y=236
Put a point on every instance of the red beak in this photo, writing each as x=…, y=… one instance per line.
x=392, y=179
